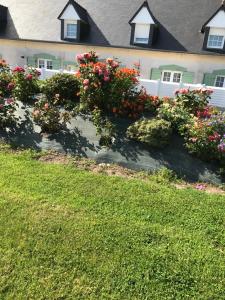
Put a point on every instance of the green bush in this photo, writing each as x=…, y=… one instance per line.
x=154, y=132
x=63, y=86
x=25, y=84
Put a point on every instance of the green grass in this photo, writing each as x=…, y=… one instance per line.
x=70, y=234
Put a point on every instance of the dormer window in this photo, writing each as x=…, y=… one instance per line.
x=74, y=22
x=71, y=29
x=142, y=27
x=142, y=32
x=214, y=30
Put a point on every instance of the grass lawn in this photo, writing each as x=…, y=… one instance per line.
x=72, y=234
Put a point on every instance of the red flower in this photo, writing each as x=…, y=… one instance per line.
x=18, y=70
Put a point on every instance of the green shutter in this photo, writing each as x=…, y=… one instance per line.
x=209, y=79
x=188, y=77
x=155, y=74
x=56, y=64
x=32, y=62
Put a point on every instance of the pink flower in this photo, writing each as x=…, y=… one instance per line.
x=115, y=64
x=18, y=70
x=86, y=82
x=86, y=88
x=29, y=77
x=46, y=106
x=106, y=78
x=9, y=101
x=79, y=57
x=184, y=91
x=200, y=187
x=10, y=86
x=38, y=73
x=87, y=55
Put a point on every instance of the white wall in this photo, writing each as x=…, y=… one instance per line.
x=199, y=64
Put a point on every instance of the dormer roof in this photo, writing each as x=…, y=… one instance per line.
x=73, y=11
x=217, y=19
x=143, y=15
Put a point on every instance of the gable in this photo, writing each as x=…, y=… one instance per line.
x=218, y=20
x=70, y=13
x=143, y=17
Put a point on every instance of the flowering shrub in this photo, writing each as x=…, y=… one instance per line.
x=65, y=86
x=7, y=111
x=25, y=83
x=205, y=137
x=107, y=89
x=154, y=132
x=48, y=116
x=193, y=100
x=174, y=112
x=6, y=85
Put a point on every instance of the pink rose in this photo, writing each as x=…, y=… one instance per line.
x=29, y=77
x=10, y=86
x=86, y=82
x=86, y=88
x=46, y=106
x=9, y=101
x=115, y=64
x=79, y=57
x=109, y=61
x=18, y=70
x=106, y=78
x=184, y=91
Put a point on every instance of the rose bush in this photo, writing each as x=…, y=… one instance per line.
x=48, y=116
x=7, y=111
x=25, y=84
x=204, y=136
x=65, y=86
x=6, y=84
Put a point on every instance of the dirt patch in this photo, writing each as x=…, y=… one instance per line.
x=116, y=170
x=55, y=158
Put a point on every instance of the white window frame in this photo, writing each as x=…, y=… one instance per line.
x=172, y=76
x=45, y=63
x=215, y=47
x=66, y=23
x=216, y=81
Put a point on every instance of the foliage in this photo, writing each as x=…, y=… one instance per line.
x=63, y=86
x=25, y=83
x=7, y=111
x=193, y=100
x=174, y=112
x=154, y=132
x=6, y=84
x=205, y=137
x=48, y=116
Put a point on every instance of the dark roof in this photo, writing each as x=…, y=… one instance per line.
x=180, y=21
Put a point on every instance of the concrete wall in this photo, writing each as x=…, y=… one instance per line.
x=13, y=51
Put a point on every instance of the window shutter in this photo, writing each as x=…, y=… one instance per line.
x=188, y=77
x=32, y=62
x=209, y=79
x=56, y=64
x=155, y=74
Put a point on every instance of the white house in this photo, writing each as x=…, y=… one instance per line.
x=173, y=40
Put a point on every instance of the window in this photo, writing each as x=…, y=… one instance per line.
x=169, y=76
x=216, y=41
x=71, y=29
x=220, y=81
x=141, y=35
x=45, y=63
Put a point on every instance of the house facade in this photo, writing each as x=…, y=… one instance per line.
x=173, y=40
